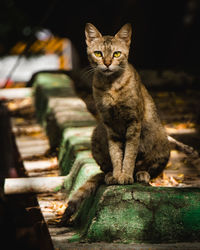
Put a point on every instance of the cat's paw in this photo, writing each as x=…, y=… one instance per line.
x=124, y=179
x=120, y=178
x=109, y=179
x=143, y=176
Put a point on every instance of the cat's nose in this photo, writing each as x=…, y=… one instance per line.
x=107, y=62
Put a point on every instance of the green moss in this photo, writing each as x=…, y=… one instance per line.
x=75, y=238
x=58, y=188
x=53, y=83
x=82, y=158
x=47, y=85
x=86, y=171
x=74, y=140
x=87, y=212
x=138, y=213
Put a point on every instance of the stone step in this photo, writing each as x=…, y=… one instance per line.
x=57, y=107
x=47, y=85
x=138, y=213
x=74, y=140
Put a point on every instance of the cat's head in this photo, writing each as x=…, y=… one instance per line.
x=108, y=54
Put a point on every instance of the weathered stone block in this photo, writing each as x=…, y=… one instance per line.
x=138, y=213
x=48, y=85
x=57, y=107
x=74, y=140
x=65, y=113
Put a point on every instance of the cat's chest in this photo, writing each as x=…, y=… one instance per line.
x=111, y=99
x=115, y=105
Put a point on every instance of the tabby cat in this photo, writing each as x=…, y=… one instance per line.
x=129, y=142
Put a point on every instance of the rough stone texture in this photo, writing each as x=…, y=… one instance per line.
x=138, y=213
x=74, y=140
x=84, y=172
x=80, y=167
x=48, y=85
x=57, y=119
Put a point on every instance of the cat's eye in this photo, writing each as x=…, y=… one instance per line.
x=117, y=54
x=98, y=53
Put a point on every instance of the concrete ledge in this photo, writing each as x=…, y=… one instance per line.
x=57, y=107
x=85, y=171
x=48, y=85
x=74, y=140
x=142, y=214
x=82, y=158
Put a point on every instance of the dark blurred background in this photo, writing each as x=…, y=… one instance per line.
x=165, y=33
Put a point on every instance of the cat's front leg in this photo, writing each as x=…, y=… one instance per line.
x=116, y=155
x=131, y=151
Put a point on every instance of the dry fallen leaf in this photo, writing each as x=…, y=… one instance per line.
x=58, y=207
x=180, y=178
x=185, y=125
x=167, y=181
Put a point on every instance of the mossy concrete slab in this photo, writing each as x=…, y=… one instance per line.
x=144, y=214
x=70, y=112
x=74, y=140
x=48, y=85
x=63, y=115
x=82, y=157
x=54, y=84
x=57, y=107
x=82, y=172
x=81, y=169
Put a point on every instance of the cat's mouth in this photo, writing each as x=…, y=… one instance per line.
x=107, y=71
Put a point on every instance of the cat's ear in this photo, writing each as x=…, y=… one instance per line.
x=91, y=33
x=125, y=33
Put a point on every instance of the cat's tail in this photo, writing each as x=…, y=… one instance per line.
x=186, y=149
x=79, y=196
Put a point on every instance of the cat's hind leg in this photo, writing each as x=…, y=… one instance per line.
x=147, y=170
x=157, y=167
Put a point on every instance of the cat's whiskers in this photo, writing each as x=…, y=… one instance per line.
x=88, y=71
